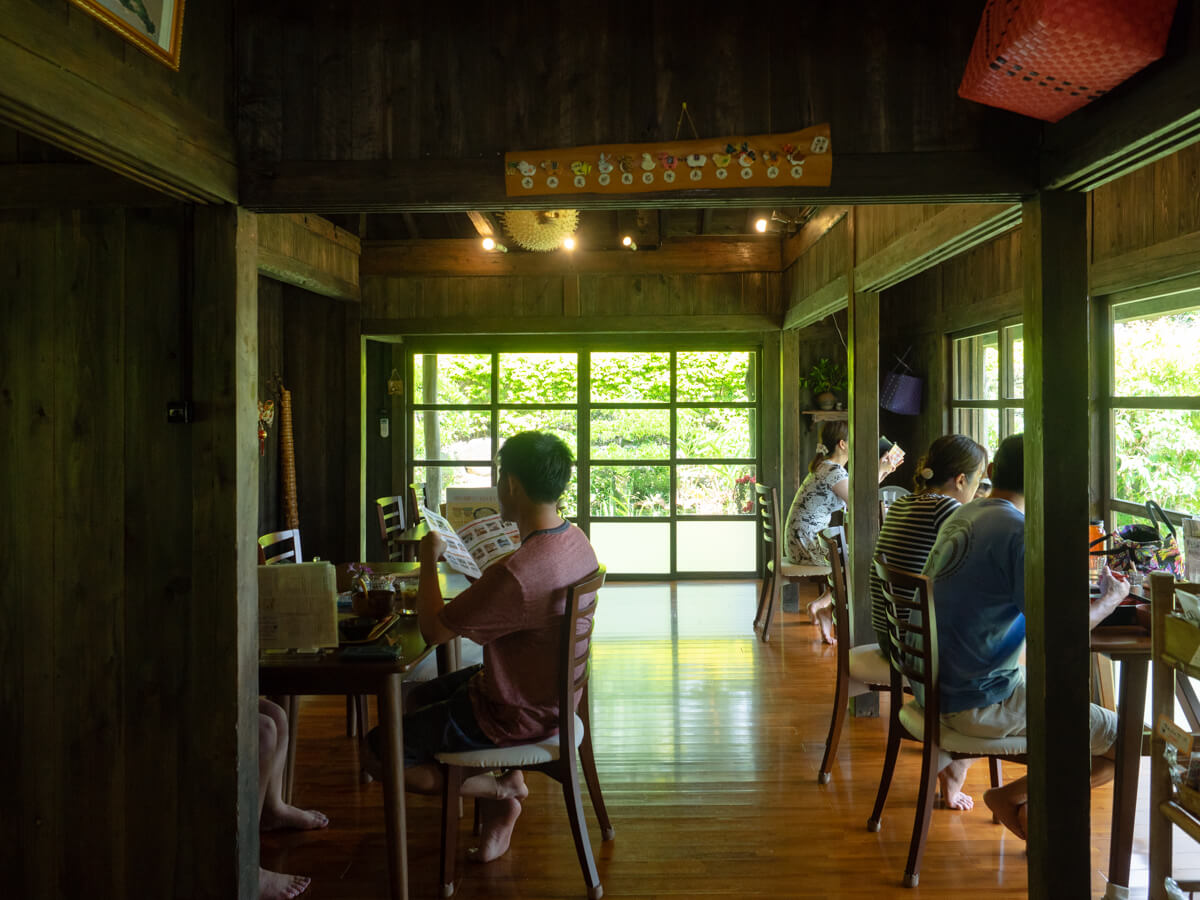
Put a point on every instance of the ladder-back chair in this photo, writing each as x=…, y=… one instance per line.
x=392, y=521
x=913, y=654
x=554, y=756
x=775, y=566
x=859, y=669
x=280, y=547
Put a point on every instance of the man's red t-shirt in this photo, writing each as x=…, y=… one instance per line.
x=515, y=611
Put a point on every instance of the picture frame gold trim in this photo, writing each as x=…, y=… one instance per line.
x=168, y=56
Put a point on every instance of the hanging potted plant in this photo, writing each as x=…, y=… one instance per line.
x=825, y=377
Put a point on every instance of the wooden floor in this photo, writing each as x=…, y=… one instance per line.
x=707, y=744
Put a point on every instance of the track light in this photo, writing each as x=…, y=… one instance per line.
x=627, y=241
x=569, y=243
x=760, y=225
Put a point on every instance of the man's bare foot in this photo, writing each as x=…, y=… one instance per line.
x=1012, y=815
x=951, y=779
x=288, y=816
x=277, y=886
x=814, y=608
x=499, y=818
x=825, y=623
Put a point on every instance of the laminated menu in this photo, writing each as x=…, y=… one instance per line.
x=477, y=544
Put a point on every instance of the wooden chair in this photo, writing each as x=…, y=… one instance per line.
x=280, y=547
x=554, y=756
x=392, y=521
x=775, y=567
x=859, y=669
x=416, y=502
x=913, y=654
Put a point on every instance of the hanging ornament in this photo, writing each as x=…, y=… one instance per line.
x=540, y=230
x=266, y=416
x=395, y=383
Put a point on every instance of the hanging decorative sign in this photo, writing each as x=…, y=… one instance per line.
x=765, y=160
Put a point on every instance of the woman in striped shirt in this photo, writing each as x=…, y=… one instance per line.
x=947, y=477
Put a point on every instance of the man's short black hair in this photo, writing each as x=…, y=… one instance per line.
x=1008, y=468
x=541, y=462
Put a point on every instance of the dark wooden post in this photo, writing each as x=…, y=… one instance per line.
x=221, y=751
x=791, y=461
x=863, y=512
x=357, y=419
x=1054, y=255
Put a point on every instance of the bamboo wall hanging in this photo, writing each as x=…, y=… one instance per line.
x=287, y=460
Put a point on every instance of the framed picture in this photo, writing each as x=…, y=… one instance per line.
x=154, y=26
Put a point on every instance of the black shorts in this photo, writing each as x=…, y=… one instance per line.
x=440, y=720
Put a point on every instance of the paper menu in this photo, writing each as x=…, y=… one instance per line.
x=465, y=505
x=456, y=553
x=476, y=545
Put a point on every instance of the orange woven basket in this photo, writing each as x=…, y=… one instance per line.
x=1047, y=58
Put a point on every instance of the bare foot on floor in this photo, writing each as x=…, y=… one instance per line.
x=288, y=816
x=277, y=886
x=825, y=623
x=499, y=818
x=1011, y=815
x=951, y=779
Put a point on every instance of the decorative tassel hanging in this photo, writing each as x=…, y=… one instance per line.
x=287, y=460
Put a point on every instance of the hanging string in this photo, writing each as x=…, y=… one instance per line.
x=683, y=111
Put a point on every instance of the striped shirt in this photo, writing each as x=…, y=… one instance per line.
x=908, y=534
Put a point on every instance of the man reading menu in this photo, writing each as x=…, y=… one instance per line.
x=514, y=611
x=977, y=567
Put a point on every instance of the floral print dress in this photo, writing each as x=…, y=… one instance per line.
x=811, y=511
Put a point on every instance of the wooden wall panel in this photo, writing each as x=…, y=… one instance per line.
x=314, y=370
x=877, y=226
x=1156, y=203
x=823, y=263
x=405, y=82
x=97, y=506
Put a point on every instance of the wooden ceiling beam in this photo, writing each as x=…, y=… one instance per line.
x=814, y=229
x=582, y=325
x=72, y=185
x=485, y=223
x=1152, y=116
x=311, y=253
x=460, y=185
x=464, y=257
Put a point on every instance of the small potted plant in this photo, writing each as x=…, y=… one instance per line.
x=825, y=377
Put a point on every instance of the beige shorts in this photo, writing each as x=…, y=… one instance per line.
x=1007, y=718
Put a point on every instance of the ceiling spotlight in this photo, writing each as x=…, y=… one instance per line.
x=569, y=243
x=627, y=241
x=760, y=225
x=489, y=244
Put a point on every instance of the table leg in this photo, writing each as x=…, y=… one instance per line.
x=396, y=829
x=1131, y=713
x=448, y=658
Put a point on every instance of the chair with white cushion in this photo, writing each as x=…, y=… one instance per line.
x=554, y=756
x=914, y=655
x=860, y=669
x=775, y=567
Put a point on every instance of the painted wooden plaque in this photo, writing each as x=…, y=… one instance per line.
x=765, y=160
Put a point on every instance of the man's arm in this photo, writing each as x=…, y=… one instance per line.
x=429, y=592
x=1113, y=589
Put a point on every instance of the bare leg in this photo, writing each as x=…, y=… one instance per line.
x=825, y=622
x=822, y=602
x=1007, y=803
x=274, y=886
x=273, y=813
x=951, y=779
x=501, y=810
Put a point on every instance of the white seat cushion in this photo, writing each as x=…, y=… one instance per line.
x=868, y=665
x=912, y=717
x=516, y=757
x=793, y=570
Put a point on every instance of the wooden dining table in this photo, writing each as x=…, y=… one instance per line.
x=330, y=672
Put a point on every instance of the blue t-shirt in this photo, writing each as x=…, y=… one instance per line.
x=977, y=567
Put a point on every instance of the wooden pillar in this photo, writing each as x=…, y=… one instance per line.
x=1054, y=255
x=863, y=512
x=357, y=419
x=221, y=706
x=771, y=405
x=791, y=454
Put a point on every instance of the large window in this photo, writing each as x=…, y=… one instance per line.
x=987, y=383
x=1154, y=405
x=666, y=444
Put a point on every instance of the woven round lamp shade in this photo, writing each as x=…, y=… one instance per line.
x=540, y=230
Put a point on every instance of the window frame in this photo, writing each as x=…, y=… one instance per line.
x=1162, y=297
x=583, y=406
x=1003, y=403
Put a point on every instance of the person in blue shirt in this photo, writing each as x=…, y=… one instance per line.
x=977, y=567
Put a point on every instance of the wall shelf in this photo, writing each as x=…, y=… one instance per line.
x=828, y=415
